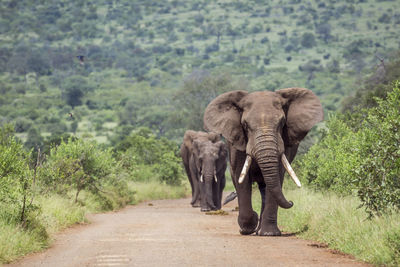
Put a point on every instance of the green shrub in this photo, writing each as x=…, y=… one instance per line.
x=377, y=175
x=15, y=178
x=308, y=40
x=329, y=164
x=146, y=158
x=77, y=165
x=169, y=169
x=366, y=158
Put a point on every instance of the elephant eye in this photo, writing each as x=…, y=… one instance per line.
x=282, y=121
x=245, y=126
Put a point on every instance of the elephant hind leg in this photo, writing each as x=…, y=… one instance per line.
x=196, y=197
x=195, y=201
x=196, y=190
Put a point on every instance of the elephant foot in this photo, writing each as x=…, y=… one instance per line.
x=248, y=226
x=195, y=203
x=269, y=230
x=205, y=209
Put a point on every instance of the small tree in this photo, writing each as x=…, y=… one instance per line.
x=308, y=40
x=75, y=87
x=145, y=157
x=324, y=30
x=77, y=165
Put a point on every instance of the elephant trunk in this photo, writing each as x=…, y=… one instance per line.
x=209, y=194
x=267, y=156
x=209, y=179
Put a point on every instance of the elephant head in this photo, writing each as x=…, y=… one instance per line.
x=210, y=160
x=266, y=126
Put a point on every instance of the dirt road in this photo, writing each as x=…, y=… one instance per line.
x=172, y=233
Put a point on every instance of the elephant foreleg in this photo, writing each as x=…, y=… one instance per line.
x=196, y=196
x=269, y=217
x=221, y=182
x=248, y=218
x=216, y=198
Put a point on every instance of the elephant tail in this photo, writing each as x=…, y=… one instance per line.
x=230, y=197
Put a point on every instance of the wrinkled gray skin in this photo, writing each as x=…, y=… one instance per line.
x=262, y=125
x=204, y=154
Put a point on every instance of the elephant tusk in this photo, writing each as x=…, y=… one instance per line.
x=289, y=169
x=245, y=169
x=215, y=176
x=201, y=178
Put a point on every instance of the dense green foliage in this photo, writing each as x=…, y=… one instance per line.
x=137, y=53
x=377, y=84
x=79, y=165
x=365, y=159
x=329, y=163
x=143, y=156
x=16, y=178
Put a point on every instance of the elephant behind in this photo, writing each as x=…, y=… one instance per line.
x=263, y=131
x=204, y=157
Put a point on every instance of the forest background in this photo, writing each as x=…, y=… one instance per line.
x=96, y=96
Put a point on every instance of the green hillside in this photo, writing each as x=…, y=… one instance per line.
x=158, y=63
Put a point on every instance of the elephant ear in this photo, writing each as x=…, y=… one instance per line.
x=303, y=111
x=223, y=150
x=214, y=137
x=196, y=154
x=188, y=139
x=196, y=147
x=223, y=116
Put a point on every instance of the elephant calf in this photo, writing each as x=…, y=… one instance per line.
x=204, y=156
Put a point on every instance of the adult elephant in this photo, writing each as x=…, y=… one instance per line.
x=263, y=131
x=204, y=156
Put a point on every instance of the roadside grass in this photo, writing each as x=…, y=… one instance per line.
x=59, y=212
x=153, y=190
x=16, y=242
x=338, y=222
